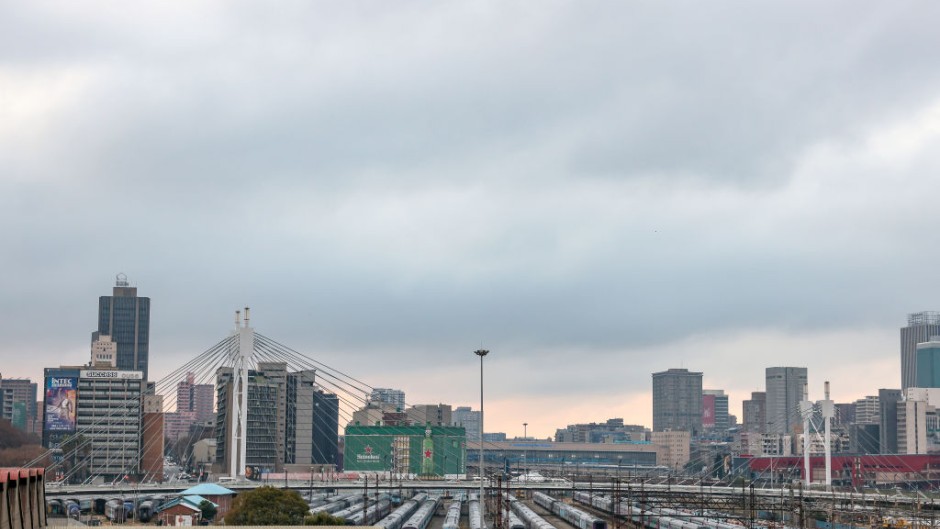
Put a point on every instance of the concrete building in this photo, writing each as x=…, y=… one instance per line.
x=868, y=410
x=19, y=402
x=266, y=408
x=195, y=398
x=912, y=427
x=103, y=353
x=675, y=447
x=109, y=416
x=677, y=401
x=611, y=431
x=434, y=414
x=785, y=387
x=393, y=397
x=152, y=440
x=312, y=421
x=469, y=420
x=888, y=409
x=754, y=412
x=125, y=317
x=715, y=410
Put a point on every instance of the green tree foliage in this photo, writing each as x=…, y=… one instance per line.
x=267, y=506
x=323, y=518
x=208, y=509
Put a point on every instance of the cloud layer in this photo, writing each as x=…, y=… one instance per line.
x=593, y=191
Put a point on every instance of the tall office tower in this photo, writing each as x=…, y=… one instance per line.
x=868, y=410
x=125, y=317
x=196, y=398
x=19, y=404
x=469, y=419
x=888, y=402
x=785, y=387
x=715, y=410
x=677, y=401
x=920, y=327
x=395, y=397
x=927, y=363
x=754, y=412
x=325, y=428
x=267, y=403
x=299, y=431
x=912, y=427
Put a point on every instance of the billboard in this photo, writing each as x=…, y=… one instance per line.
x=708, y=411
x=60, y=401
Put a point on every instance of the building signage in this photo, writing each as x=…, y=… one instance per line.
x=368, y=456
x=60, y=401
x=108, y=375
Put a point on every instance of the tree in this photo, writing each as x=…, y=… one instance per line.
x=208, y=509
x=267, y=506
x=323, y=518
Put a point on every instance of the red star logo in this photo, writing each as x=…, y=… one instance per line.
x=427, y=454
x=368, y=450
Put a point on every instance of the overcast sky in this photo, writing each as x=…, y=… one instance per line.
x=594, y=191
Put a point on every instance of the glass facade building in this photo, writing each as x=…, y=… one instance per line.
x=125, y=317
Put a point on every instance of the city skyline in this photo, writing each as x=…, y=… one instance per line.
x=593, y=193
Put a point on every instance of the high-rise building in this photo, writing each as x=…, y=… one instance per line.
x=888, y=402
x=754, y=412
x=109, y=416
x=677, y=401
x=125, y=317
x=195, y=398
x=868, y=410
x=715, y=410
x=927, y=364
x=785, y=388
x=19, y=402
x=920, y=327
x=325, y=428
x=912, y=427
x=469, y=420
x=394, y=397
x=267, y=398
x=312, y=421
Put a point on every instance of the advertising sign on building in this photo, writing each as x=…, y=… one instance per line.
x=19, y=415
x=708, y=411
x=60, y=401
x=108, y=374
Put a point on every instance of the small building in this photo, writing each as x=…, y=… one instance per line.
x=217, y=494
x=181, y=511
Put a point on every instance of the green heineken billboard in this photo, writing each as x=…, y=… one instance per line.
x=419, y=450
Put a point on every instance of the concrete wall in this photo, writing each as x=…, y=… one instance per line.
x=22, y=498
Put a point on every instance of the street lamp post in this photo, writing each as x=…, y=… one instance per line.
x=481, y=353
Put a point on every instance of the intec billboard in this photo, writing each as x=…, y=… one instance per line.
x=61, y=399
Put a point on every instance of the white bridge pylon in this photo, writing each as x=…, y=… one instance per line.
x=240, y=355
